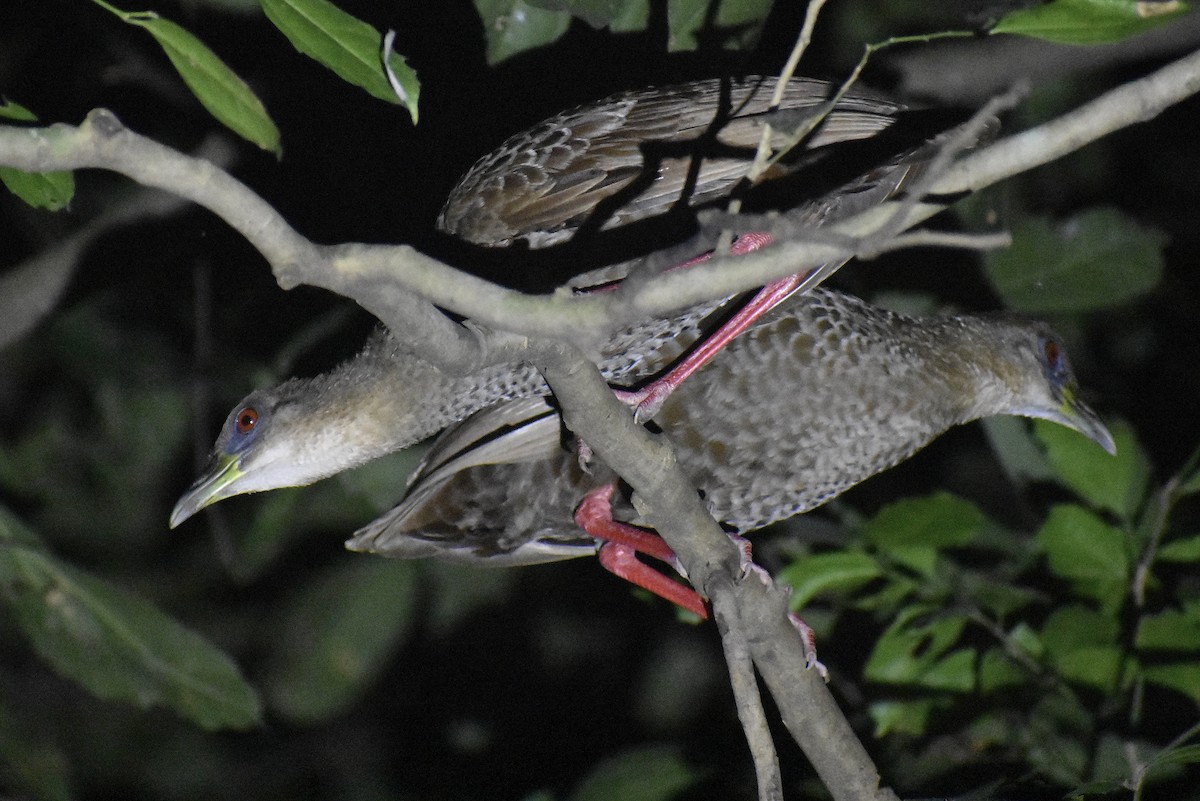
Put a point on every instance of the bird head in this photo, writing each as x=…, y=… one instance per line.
x=263, y=445
x=1035, y=368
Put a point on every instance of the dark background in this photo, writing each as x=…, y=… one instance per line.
x=551, y=669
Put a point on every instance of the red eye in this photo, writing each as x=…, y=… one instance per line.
x=1052, y=352
x=245, y=420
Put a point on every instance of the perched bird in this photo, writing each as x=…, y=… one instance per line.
x=386, y=399
x=637, y=156
x=642, y=161
x=813, y=399
x=627, y=159
x=636, y=161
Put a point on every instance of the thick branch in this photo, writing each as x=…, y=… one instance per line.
x=359, y=271
x=362, y=272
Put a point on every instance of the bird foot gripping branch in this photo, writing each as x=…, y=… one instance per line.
x=811, y=398
x=619, y=543
x=839, y=391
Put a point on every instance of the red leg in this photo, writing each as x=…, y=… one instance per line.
x=594, y=515
x=621, y=560
x=622, y=542
x=649, y=399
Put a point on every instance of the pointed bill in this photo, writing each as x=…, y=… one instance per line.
x=1076, y=414
x=212, y=485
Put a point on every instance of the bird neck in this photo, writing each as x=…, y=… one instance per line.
x=974, y=362
x=386, y=399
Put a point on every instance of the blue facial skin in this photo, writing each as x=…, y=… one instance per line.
x=1054, y=364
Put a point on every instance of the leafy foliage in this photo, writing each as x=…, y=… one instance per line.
x=344, y=44
x=221, y=91
x=1082, y=22
x=1094, y=260
x=116, y=644
x=962, y=640
x=46, y=190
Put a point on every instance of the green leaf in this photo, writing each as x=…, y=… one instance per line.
x=998, y=671
x=1055, y=735
x=117, y=645
x=1062, y=758
x=618, y=15
x=1095, y=260
x=1185, y=550
x=1097, y=666
x=1116, y=483
x=1085, y=22
x=15, y=111
x=1189, y=476
x=1183, y=677
x=268, y=533
x=918, y=653
x=1081, y=644
x=1170, y=630
x=1028, y=640
x=894, y=592
x=1013, y=444
x=940, y=520
x=846, y=571
x=999, y=597
x=215, y=85
x=1180, y=755
x=634, y=15
x=42, y=190
x=913, y=530
x=901, y=717
x=1088, y=552
x=345, y=44
x=514, y=26
x=1114, y=754
x=955, y=671
x=656, y=773
x=339, y=634
x=736, y=24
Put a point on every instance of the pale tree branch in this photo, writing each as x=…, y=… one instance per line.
x=101, y=142
x=401, y=286
x=745, y=694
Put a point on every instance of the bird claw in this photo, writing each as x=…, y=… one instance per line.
x=585, y=455
x=648, y=401
x=746, y=564
x=745, y=560
x=652, y=400
x=810, y=646
x=748, y=567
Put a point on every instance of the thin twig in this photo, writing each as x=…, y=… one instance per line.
x=923, y=237
x=746, y=695
x=961, y=139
